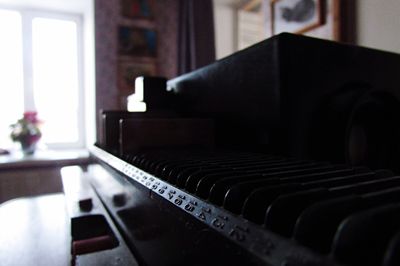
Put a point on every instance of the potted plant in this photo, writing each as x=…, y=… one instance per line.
x=26, y=131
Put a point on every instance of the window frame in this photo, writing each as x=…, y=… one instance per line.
x=27, y=17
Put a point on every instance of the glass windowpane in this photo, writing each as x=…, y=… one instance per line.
x=11, y=73
x=55, y=78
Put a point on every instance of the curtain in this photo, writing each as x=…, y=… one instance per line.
x=196, y=44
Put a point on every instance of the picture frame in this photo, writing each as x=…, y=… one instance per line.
x=251, y=6
x=135, y=41
x=129, y=70
x=137, y=9
x=296, y=16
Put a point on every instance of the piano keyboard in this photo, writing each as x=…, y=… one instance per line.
x=282, y=210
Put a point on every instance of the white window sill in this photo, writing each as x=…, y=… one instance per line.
x=44, y=158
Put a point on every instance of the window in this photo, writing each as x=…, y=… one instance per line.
x=11, y=71
x=41, y=69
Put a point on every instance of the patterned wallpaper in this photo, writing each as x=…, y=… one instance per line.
x=167, y=29
x=107, y=19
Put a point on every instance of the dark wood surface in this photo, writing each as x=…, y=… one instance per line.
x=34, y=231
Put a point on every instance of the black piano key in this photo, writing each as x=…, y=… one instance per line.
x=296, y=166
x=333, y=212
x=340, y=181
x=193, y=180
x=171, y=165
x=300, y=171
x=266, y=163
x=176, y=169
x=235, y=158
x=182, y=177
x=134, y=159
x=281, y=215
x=180, y=180
x=378, y=183
x=154, y=157
x=392, y=253
x=362, y=238
x=140, y=160
x=166, y=170
x=221, y=187
x=317, y=224
x=127, y=157
x=184, y=169
x=237, y=194
x=162, y=160
x=248, y=162
x=156, y=166
x=325, y=175
x=206, y=183
x=156, y=162
x=260, y=161
x=335, y=172
x=257, y=203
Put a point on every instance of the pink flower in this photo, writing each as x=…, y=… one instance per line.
x=31, y=116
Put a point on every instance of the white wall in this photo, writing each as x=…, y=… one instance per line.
x=225, y=21
x=378, y=24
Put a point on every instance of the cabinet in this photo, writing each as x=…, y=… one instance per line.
x=15, y=183
x=37, y=174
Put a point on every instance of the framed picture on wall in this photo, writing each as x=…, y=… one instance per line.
x=137, y=9
x=296, y=16
x=129, y=70
x=136, y=41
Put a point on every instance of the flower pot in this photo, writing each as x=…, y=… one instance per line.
x=26, y=131
x=28, y=147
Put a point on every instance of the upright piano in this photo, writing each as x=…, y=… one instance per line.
x=282, y=154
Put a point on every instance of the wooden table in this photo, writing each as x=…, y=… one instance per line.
x=35, y=231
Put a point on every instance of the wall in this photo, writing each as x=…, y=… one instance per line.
x=167, y=30
x=225, y=23
x=107, y=19
x=378, y=24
